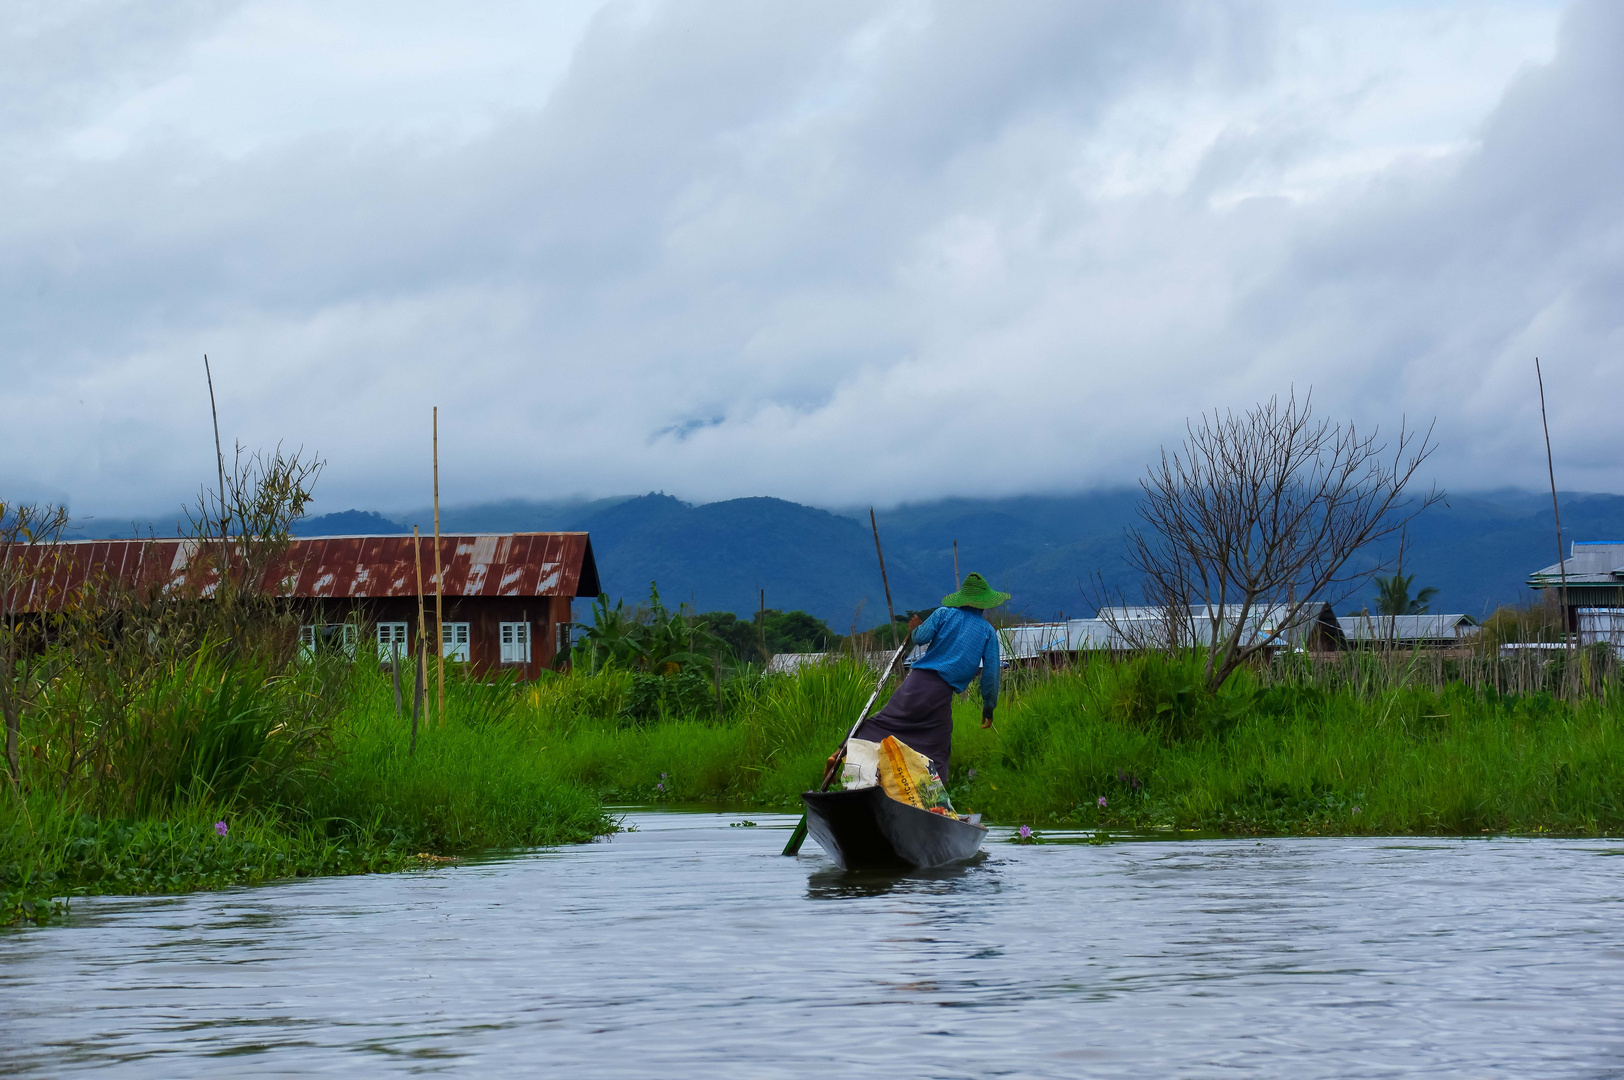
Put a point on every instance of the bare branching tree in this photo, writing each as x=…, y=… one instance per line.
x=266, y=493
x=1261, y=514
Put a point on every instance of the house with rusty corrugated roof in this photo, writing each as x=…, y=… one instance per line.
x=506, y=598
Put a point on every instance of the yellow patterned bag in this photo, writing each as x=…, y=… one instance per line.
x=906, y=777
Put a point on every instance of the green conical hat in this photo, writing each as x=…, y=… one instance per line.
x=976, y=593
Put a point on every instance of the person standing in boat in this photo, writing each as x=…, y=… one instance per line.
x=960, y=643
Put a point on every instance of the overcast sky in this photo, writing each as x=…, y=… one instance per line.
x=826, y=251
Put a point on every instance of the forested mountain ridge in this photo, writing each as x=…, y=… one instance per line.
x=1476, y=548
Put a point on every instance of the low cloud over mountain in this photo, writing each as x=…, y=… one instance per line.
x=836, y=252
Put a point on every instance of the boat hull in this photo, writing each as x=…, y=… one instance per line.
x=866, y=829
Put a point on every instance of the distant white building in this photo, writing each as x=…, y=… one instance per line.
x=1412, y=631
x=791, y=662
x=1125, y=629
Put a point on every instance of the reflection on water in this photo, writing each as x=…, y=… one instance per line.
x=832, y=883
x=689, y=948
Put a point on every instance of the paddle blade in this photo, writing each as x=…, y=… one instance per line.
x=796, y=838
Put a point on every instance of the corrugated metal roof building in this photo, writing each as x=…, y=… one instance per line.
x=1431, y=631
x=1594, y=607
x=1595, y=573
x=1127, y=629
x=792, y=663
x=507, y=597
x=1315, y=627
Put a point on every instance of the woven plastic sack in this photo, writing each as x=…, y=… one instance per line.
x=906, y=777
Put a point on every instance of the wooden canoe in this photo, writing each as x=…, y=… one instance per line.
x=866, y=829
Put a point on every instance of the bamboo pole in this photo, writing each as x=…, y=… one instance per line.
x=420, y=657
x=394, y=672
x=889, y=612
x=957, y=581
x=220, y=465
x=798, y=836
x=420, y=675
x=1556, y=511
x=439, y=588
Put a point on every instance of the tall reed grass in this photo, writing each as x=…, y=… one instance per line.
x=1360, y=744
x=1334, y=748
x=207, y=768
x=311, y=769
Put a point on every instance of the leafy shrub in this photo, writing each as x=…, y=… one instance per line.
x=1168, y=697
x=651, y=697
x=650, y=639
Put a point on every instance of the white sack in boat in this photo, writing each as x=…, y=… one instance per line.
x=862, y=768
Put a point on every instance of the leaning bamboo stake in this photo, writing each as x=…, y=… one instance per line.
x=439, y=590
x=958, y=582
x=1556, y=511
x=890, y=613
x=219, y=464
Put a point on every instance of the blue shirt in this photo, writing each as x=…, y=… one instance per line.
x=960, y=642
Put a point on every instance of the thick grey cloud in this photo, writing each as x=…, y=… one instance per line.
x=828, y=252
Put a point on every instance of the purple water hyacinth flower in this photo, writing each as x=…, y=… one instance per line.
x=1102, y=802
x=221, y=828
x=971, y=775
x=1026, y=832
x=659, y=787
x=662, y=776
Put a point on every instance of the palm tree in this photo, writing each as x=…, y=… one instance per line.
x=1394, y=596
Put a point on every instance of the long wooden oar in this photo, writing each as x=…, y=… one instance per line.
x=798, y=837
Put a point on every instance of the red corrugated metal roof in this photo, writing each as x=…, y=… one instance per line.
x=322, y=567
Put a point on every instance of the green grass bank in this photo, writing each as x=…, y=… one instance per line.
x=312, y=771
x=1370, y=745
x=208, y=772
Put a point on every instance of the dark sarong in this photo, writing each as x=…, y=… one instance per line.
x=920, y=714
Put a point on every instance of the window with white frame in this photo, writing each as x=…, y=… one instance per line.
x=393, y=638
x=454, y=641
x=329, y=638
x=515, y=638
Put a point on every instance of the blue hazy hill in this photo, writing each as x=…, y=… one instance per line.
x=1046, y=550
x=1477, y=548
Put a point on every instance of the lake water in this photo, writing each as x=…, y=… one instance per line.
x=691, y=948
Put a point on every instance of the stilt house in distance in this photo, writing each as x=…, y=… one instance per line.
x=1592, y=577
x=506, y=597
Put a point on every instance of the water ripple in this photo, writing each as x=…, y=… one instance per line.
x=690, y=948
